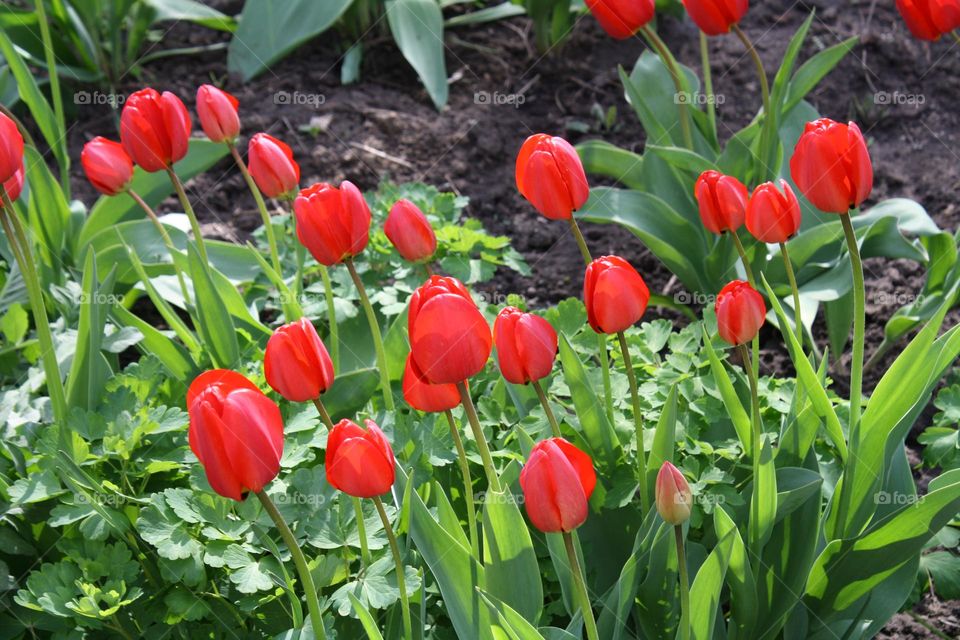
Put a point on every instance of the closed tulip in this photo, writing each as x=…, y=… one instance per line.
x=332, y=223
x=272, y=166
x=722, y=200
x=715, y=17
x=773, y=215
x=13, y=186
x=410, y=232
x=621, y=18
x=526, y=345
x=155, y=129
x=557, y=481
x=550, y=175
x=674, y=499
x=831, y=165
x=359, y=461
x=930, y=19
x=11, y=148
x=218, y=114
x=107, y=165
x=740, y=312
x=449, y=338
x=614, y=293
x=235, y=431
x=424, y=396
x=296, y=364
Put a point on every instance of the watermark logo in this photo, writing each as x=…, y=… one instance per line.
x=115, y=100
x=499, y=99
x=899, y=98
x=895, y=498
x=688, y=298
x=299, y=98
x=101, y=298
x=697, y=98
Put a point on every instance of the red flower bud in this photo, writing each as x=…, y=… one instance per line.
x=333, y=224
x=551, y=177
x=424, y=396
x=614, y=293
x=235, y=431
x=740, y=312
x=449, y=337
x=11, y=148
x=621, y=18
x=773, y=216
x=930, y=19
x=107, y=165
x=410, y=232
x=13, y=186
x=715, y=17
x=526, y=345
x=557, y=481
x=722, y=200
x=359, y=462
x=831, y=165
x=296, y=364
x=674, y=499
x=272, y=166
x=155, y=129
x=218, y=113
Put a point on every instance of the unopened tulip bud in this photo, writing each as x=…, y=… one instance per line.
x=674, y=499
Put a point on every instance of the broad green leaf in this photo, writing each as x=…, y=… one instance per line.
x=594, y=426
x=706, y=587
x=191, y=11
x=214, y=322
x=739, y=577
x=173, y=356
x=795, y=485
x=682, y=158
x=510, y=563
x=664, y=437
x=765, y=497
x=90, y=370
x=350, y=392
x=48, y=209
x=511, y=622
x=738, y=415
x=366, y=619
x=605, y=159
x=811, y=72
x=495, y=13
x=417, y=27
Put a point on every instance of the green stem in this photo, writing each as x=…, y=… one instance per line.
x=361, y=532
x=743, y=258
x=581, y=584
x=55, y=95
x=755, y=446
x=765, y=131
x=956, y=36
x=671, y=63
x=262, y=206
x=401, y=578
x=467, y=485
x=856, y=365
x=684, y=631
x=188, y=209
x=581, y=241
x=708, y=84
x=331, y=317
x=492, y=479
x=303, y=570
x=637, y=421
x=375, y=331
x=171, y=249
x=788, y=265
x=545, y=403
x=323, y=413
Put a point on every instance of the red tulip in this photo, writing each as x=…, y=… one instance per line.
x=449, y=338
x=155, y=129
x=410, y=232
x=526, y=345
x=557, y=481
x=831, y=165
x=11, y=148
x=722, y=200
x=333, y=224
x=235, y=431
x=551, y=177
x=621, y=18
x=740, y=312
x=614, y=293
x=218, y=113
x=424, y=396
x=773, y=216
x=296, y=364
x=272, y=166
x=715, y=17
x=359, y=462
x=673, y=497
x=13, y=186
x=930, y=19
x=107, y=165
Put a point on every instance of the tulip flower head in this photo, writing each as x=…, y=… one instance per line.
x=271, y=164
x=831, y=165
x=11, y=148
x=332, y=223
x=740, y=312
x=557, y=481
x=550, y=176
x=526, y=345
x=235, y=431
x=218, y=114
x=716, y=17
x=296, y=364
x=13, y=186
x=673, y=497
x=410, y=232
x=722, y=200
x=424, y=396
x=107, y=165
x=450, y=339
x=930, y=19
x=614, y=293
x=621, y=18
x=773, y=215
x=359, y=461
x=155, y=129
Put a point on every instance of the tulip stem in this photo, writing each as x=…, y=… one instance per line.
x=684, y=631
x=788, y=265
x=188, y=209
x=956, y=36
x=166, y=241
x=708, y=85
x=637, y=421
x=482, y=447
x=682, y=99
x=545, y=403
x=428, y=269
x=55, y=96
x=362, y=532
x=262, y=206
x=324, y=415
x=743, y=258
x=331, y=317
x=375, y=331
x=467, y=485
x=581, y=241
x=755, y=445
x=20, y=246
x=309, y=590
x=581, y=584
x=765, y=131
x=401, y=578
